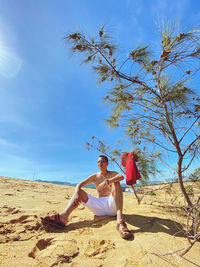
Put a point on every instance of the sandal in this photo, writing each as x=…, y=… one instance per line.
x=123, y=230
x=53, y=220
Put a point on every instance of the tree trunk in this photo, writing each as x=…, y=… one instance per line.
x=180, y=180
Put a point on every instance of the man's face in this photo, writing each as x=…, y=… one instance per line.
x=102, y=163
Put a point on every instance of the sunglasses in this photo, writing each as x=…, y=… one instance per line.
x=102, y=161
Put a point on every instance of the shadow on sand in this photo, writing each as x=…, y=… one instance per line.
x=154, y=225
x=97, y=222
x=143, y=223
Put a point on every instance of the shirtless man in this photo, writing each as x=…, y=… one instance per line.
x=108, y=203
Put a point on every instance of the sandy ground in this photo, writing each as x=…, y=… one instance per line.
x=87, y=240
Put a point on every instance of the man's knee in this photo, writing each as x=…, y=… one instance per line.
x=117, y=185
x=116, y=189
x=78, y=197
x=82, y=195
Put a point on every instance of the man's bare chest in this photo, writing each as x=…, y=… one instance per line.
x=100, y=178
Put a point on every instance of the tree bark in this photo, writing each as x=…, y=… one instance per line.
x=180, y=180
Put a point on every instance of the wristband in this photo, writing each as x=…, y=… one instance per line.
x=106, y=181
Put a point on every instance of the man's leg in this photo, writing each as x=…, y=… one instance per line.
x=118, y=197
x=61, y=218
x=71, y=205
x=121, y=225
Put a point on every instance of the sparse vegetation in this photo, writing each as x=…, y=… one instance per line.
x=154, y=101
x=151, y=193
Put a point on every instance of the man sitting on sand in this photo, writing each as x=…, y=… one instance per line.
x=108, y=203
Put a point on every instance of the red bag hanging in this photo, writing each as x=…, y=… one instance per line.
x=132, y=173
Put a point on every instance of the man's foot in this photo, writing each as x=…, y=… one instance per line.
x=123, y=230
x=54, y=220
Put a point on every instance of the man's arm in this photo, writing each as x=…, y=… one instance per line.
x=87, y=181
x=116, y=177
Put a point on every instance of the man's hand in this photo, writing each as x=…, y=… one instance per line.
x=76, y=200
x=101, y=186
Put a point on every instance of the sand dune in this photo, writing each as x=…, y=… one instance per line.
x=87, y=240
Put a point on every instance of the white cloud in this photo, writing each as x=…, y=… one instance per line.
x=7, y=144
x=169, y=9
x=12, y=165
x=136, y=6
x=13, y=107
x=11, y=117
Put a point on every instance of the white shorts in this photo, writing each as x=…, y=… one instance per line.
x=103, y=206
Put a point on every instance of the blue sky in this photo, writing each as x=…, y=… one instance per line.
x=50, y=104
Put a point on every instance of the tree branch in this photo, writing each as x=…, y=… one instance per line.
x=189, y=129
x=159, y=144
x=191, y=144
x=195, y=151
x=166, y=164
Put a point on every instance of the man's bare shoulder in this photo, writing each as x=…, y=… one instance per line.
x=95, y=175
x=110, y=173
x=94, y=178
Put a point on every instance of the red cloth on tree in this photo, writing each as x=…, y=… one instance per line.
x=132, y=172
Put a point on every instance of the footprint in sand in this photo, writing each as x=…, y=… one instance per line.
x=7, y=233
x=97, y=248
x=23, y=228
x=84, y=231
x=21, y=219
x=53, y=202
x=5, y=230
x=67, y=196
x=10, y=210
x=54, y=251
x=128, y=262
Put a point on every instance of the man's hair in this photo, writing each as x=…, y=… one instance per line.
x=102, y=156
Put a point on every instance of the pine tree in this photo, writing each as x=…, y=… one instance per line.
x=152, y=95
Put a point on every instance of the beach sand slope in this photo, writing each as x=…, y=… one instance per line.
x=87, y=240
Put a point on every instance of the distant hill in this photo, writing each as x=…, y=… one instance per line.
x=55, y=182
x=63, y=183
x=124, y=185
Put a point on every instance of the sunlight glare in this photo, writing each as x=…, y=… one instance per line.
x=10, y=63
